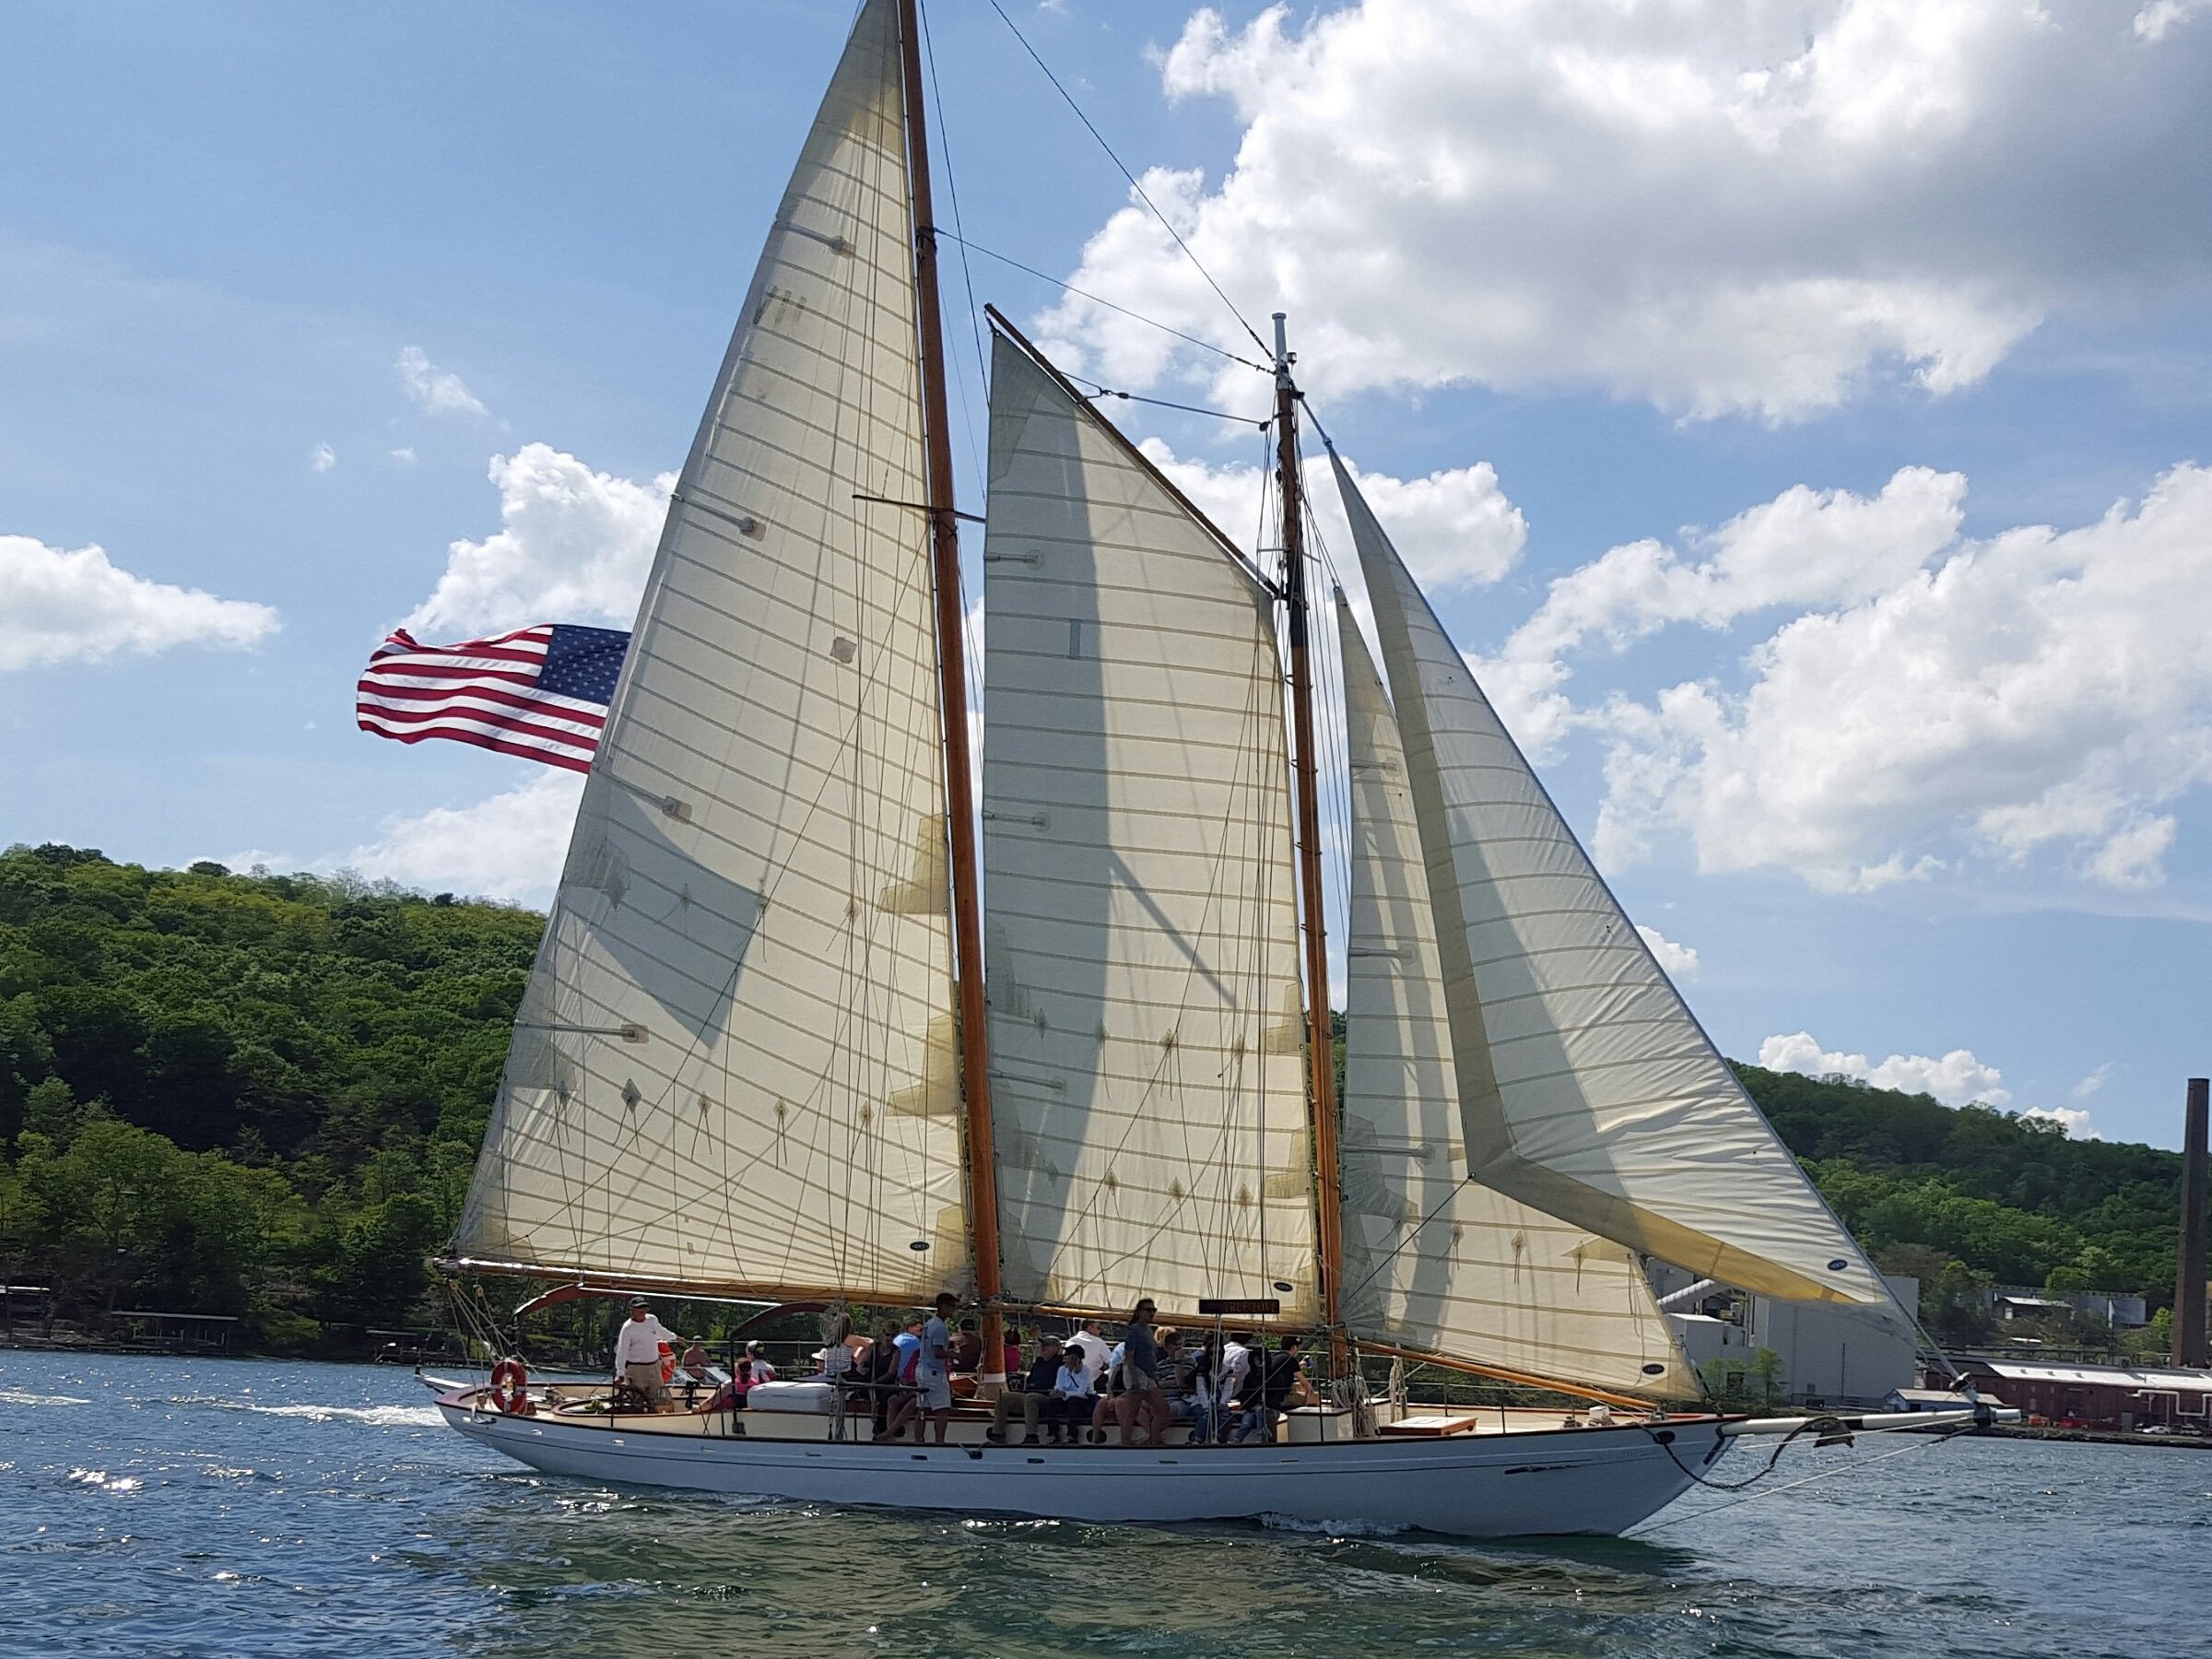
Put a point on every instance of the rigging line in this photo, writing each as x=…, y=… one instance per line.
x=1110, y=305
x=952, y=190
x=1162, y=403
x=1130, y=176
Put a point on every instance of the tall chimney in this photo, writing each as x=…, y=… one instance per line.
x=2189, y=1279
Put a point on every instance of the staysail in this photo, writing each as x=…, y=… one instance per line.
x=1433, y=1260
x=735, y=1064
x=1587, y=1089
x=1146, y=1034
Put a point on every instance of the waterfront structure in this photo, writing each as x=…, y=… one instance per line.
x=1827, y=1355
x=2097, y=1397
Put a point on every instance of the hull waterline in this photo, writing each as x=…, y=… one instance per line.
x=1585, y=1482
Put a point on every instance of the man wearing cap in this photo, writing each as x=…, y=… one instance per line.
x=638, y=1352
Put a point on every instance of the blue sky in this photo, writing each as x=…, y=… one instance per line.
x=1721, y=365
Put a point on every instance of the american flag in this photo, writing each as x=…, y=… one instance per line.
x=539, y=692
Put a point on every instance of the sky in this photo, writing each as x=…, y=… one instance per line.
x=1798, y=409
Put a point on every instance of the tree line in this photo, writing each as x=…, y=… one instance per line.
x=262, y=1096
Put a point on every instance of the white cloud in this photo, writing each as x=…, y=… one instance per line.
x=2074, y=1120
x=437, y=390
x=1455, y=529
x=2161, y=18
x=2037, y=690
x=1805, y=547
x=1956, y=1078
x=574, y=546
x=323, y=457
x=74, y=606
x=1722, y=205
x=1679, y=960
x=509, y=846
x=2096, y=1080
x=406, y=457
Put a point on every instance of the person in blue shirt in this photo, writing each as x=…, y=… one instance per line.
x=1146, y=1402
x=933, y=1369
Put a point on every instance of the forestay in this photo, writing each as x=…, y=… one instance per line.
x=1433, y=1260
x=735, y=1062
x=1147, y=1043
x=1585, y=1087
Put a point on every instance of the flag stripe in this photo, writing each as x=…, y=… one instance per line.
x=490, y=692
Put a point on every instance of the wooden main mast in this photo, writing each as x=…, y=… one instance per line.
x=952, y=672
x=1321, y=1046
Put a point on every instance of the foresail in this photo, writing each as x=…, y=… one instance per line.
x=735, y=1062
x=1434, y=1260
x=1586, y=1088
x=1146, y=1043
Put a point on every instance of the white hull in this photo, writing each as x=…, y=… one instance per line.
x=1583, y=1481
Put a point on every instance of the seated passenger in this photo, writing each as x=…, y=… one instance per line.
x=1267, y=1391
x=967, y=1354
x=877, y=1373
x=762, y=1371
x=1071, y=1402
x=1027, y=1396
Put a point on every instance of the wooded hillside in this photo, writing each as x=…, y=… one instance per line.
x=261, y=1095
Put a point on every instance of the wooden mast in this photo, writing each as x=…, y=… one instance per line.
x=952, y=673
x=1320, y=1039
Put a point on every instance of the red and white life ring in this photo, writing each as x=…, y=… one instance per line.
x=510, y=1389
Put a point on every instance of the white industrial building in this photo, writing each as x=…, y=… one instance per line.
x=1830, y=1355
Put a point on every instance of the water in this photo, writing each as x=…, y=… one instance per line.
x=232, y=1508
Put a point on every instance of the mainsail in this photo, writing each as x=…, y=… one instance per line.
x=1587, y=1089
x=1146, y=1030
x=735, y=1064
x=1434, y=1260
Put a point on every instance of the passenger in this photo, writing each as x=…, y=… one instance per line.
x=1027, y=1396
x=879, y=1375
x=1107, y=1395
x=762, y=1371
x=1267, y=1392
x=1010, y=1365
x=695, y=1359
x=1095, y=1350
x=638, y=1353
x=967, y=1352
x=1147, y=1407
x=910, y=1347
x=933, y=1373
x=1236, y=1364
x=1197, y=1398
x=1071, y=1402
x=837, y=1344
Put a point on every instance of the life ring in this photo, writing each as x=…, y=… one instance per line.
x=667, y=1364
x=510, y=1389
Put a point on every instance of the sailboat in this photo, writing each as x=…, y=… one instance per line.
x=775, y=1047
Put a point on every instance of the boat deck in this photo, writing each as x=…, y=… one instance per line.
x=585, y=1406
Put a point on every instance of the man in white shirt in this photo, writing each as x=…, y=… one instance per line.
x=1070, y=1406
x=638, y=1352
x=1093, y=1347
x=1236, y=1365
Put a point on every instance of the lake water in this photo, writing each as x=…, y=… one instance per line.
x=236, y=1509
